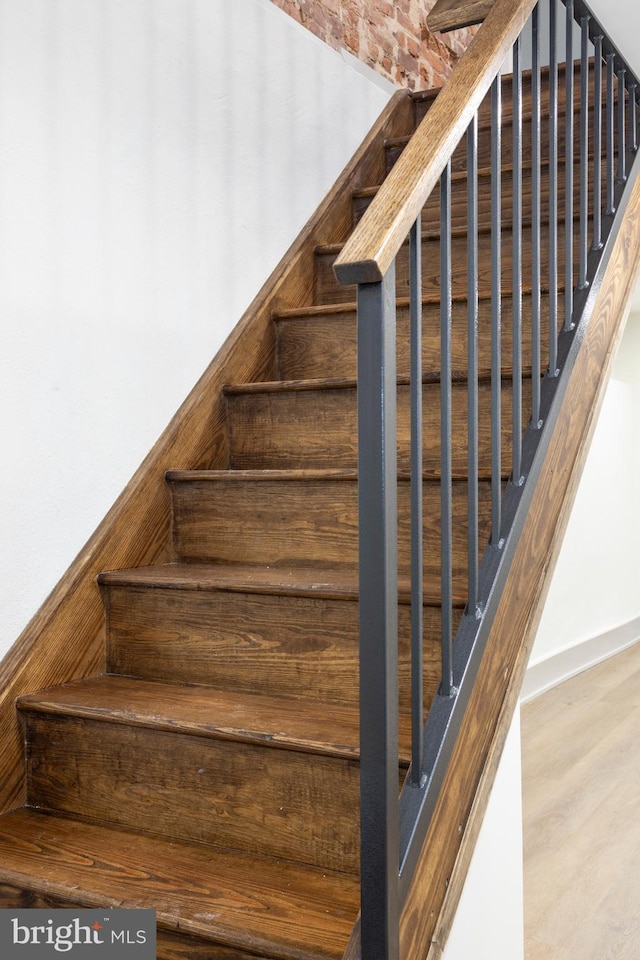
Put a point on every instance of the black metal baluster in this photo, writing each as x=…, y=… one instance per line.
x=472, y=361
x=597, y=144
x=535, y=219
x=610, y=208
x=378, y=606
x=584, y=152
x=553, y=191
x=496, y=311
x=568, y=198
x=517, y=265
x=446, y=519
x=622, y=113
x=633, y=119
x=417, y=598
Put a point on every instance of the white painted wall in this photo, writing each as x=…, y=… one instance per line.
x=621, y=20
x=157, y=158
x=489, y=922
x=596, y=587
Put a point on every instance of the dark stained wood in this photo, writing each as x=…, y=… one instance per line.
x=328, y=290
x=431, y=211
x=452, y=14
x=135, y=755
x=301, y=425
x=220, y=897
x=315, y=339
x=424, y=99
x=200, y=711
x=65, y=639
x=279, y=519
x=395, y=147
x=258, y=629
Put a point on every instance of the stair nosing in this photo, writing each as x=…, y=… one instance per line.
x=350, y=383
x=44, y=702
x=325, y=590
x=278, y=475
x=322, y=310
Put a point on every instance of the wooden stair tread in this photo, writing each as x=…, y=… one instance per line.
x=320, y=310
x=311, y=580
x=288, y=723
x=172, y=476
x=349, y=383
x=484, y=172
x=239, y=901
x=277, y=475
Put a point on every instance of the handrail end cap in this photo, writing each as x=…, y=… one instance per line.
x=360, y=271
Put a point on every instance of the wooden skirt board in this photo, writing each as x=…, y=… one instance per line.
x=581, y=799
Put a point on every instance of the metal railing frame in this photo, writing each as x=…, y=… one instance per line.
x=393, y=828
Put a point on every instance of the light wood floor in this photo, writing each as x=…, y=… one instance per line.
x=581, y=796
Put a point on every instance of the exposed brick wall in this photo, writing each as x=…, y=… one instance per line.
x=391, y=37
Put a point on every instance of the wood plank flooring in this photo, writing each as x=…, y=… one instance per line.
x=581, y=804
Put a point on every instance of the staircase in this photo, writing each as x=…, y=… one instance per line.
x=211, y=769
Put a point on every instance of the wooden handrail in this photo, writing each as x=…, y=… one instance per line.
x=448, y=15
x=383, y=229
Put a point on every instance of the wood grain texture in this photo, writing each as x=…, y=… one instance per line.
x=581, y=790
x=65, y=639
x=433, y=899
x=206, y=893
x=200, y=711
x=373, y=246
x=394, y=148
x=262, y=630
x=184, y=762
x=328, y=290
x=275, y=519
x=303, y=425
x=459, y=206
x=424, y=99
x=313, y=340
x=452, y=14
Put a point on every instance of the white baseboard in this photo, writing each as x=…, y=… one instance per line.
x=552, y=671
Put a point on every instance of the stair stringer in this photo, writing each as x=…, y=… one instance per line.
x=434, y=894
x=65, y=640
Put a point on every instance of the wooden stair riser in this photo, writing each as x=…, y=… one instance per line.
x=310, y=344
x=287, y=522
x=241, y=795
x=328, y=290
x=298, y=429
x=394, y=148
x=270, y=644
x=424, y=101
x=459, y=205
